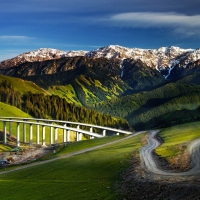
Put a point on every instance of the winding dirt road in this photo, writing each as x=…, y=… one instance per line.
x=150, y=164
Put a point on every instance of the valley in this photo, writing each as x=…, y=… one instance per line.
x=118, y=81
x=129, y=89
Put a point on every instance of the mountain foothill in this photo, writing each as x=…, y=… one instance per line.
x=112, y=86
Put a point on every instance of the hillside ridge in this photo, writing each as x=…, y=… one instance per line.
x=163, y=59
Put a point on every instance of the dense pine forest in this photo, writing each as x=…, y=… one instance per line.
x=171, y=104
x=160, y=107
x=55, y=107
x=9, y=95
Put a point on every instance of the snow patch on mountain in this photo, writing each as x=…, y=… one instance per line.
x=49, y=54
x=122, y=68
x=162, y=59
x=155, y=58
x=41, y=54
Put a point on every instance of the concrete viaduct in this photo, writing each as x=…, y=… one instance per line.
x=54, y=125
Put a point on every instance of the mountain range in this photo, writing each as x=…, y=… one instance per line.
x=147, y=87
x=164, y=59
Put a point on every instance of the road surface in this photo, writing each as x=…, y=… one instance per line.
x=150, y=164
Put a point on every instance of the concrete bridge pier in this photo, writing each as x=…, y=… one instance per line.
x=55, y=135
x=64, y=134
x=77, y=133
x=77, y=137
x=68, y=136
x=10, y=128
x=4, y=133
x=37, y=134
x=91, y=131
x=31, y=135
x=18, y=134
x=51, y=135
x=43, y=135
x=80, y=136
x=104, y=132
x=24, y=132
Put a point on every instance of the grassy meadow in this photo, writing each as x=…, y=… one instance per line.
x=77, y=146
x=175, y=136
x=91, y=175
x=7, y=110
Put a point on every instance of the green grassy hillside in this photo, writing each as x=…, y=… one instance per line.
x=85, y=89
x=176, y=140
x=91, y=175
x=142, y=109
x=65, y=91
x=11, y=111
x=21, y=85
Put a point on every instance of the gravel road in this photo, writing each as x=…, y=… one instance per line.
x=150, y=164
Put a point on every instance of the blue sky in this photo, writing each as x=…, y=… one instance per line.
x=27, y=25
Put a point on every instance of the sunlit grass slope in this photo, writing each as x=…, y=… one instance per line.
x=177, y=135
x=87, y=90
x=22, y=85
x=91, y=175
x=77, y=146
x=11, y=111
x=66, y=92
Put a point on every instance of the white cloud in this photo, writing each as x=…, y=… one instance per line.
x=179, y=23
x=15, y=38
x=149, y=19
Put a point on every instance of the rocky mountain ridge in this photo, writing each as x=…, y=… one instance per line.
x=39, y=55
x=163, y=59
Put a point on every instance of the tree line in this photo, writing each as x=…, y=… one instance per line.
x=9, y=95
x=145, y=108
x=55, y=107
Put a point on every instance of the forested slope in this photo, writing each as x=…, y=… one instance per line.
x=139, y=109
x=40, y=105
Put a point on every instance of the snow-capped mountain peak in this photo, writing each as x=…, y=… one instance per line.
x=49, y=54
x=162, y=59
x=41, y=54
x=155, y=58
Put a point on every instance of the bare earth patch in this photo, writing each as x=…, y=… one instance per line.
x=140, y=185
x=26, y=156
x=180, y=162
